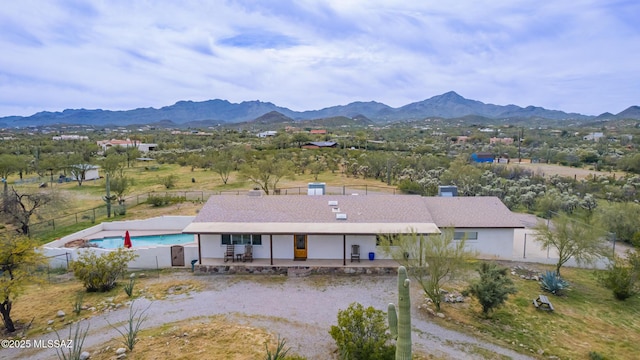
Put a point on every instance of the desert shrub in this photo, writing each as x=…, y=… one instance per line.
x=623, y=276
x=162, y=200
x=551, y=282
x=493, y=288
x=169, y=182
x=362, y=334
x=99, y=272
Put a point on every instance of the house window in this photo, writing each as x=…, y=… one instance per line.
x=467, y=235
x=241, y=239
x=386, y=239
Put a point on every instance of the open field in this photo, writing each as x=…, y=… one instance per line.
x=548, y=170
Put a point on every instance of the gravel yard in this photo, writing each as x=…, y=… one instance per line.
x=301, y=310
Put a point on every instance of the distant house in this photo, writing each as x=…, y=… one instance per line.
x=318, y=132
x=496, y=140
x=462, y=139
x=70, y=137
x=269, y=133
x=594, y=136
x=90, y=172
x=482, y=157
x=319, y=144
x=107, y=144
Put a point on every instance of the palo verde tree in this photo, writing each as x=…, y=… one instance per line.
x=431, y=260
x=100, y=272
x=573, y=237
x=20, y=207
x=267, y=173
x=18, y=261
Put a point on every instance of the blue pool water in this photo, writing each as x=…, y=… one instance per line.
x=144, y=241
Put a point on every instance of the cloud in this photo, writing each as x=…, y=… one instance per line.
x=311, y=54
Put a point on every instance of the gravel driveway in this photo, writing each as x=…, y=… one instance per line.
x=301, y=310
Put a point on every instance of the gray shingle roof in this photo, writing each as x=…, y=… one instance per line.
x=471, y=212
x=362, y=212
x=314, y=209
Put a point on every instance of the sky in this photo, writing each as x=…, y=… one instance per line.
x=576, y=56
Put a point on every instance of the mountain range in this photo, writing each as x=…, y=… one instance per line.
x=448, y=105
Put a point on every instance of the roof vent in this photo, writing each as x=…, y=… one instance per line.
x=341, y=216
x=333, y=202
x=335, y=210
x=254, y=192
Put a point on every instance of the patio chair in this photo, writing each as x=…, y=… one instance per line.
x=248, y=253
x=229, y=254
x=355, y=252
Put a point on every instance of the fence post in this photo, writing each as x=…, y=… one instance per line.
x=94, y=214
x=76, y=218
x=53, y=223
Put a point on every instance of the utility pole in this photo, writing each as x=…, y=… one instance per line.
x=520, y=136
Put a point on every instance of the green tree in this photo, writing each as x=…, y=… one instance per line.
x=267, y=173
x=573, y=237
x=78, y=168
x=361, y=334
x=621, y=219
x=300, y=138
x=493, y=288
x=114, y=164
x=431, y=260
x=120, y=185
x=18, y=261
x=100, y=272
x=222, y=165
x=623, y=275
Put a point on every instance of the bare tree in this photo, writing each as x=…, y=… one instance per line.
x=21, y=206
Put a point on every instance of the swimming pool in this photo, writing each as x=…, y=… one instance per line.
x=144, y=241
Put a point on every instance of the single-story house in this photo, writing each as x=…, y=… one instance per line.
x=91, y=172
x=319, y=144
x=325, y=227
x=143, y=147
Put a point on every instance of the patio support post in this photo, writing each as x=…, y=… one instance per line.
x=344, y=250
x=271, y=248
x=199, y=251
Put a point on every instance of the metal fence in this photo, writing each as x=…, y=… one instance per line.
x=93, y=215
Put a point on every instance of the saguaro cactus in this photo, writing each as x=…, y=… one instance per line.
x=400, y=321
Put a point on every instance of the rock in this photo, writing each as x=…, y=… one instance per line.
x=133, y=275
x=440, y=315
x=85, y=355
x=120, y=351
x=61, y=313
x=49, y=322
x=460, y=299
x=121, y=356
x=49, y=328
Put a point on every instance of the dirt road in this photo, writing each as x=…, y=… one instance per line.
x=301, y=310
